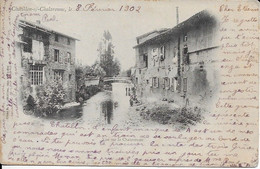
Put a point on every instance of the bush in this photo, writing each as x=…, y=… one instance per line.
x=163, y=114
x=86, y=92
x=49, y=98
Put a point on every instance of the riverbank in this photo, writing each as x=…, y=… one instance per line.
x=165, y=113
x=67, y=111
x=86, y=92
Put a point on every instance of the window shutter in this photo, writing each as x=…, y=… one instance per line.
x=157, y=82
x=172, y=84
x=60, y=59
x=163, y=52
x=151, y=82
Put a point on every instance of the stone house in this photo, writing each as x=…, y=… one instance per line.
x=45, y=56
x=180, y=62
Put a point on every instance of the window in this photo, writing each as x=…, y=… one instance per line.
x=154, y=51
x=185, y=84
x=186, y=58
x=166, y=83
x=140, y=71
x=56, y=38
x=28, y=45
x=185, y=50
x=175, y=56
x=162, y=53
x=56, y=55
x=68, y=41
x=69, y=77
x=174, y=84
x=36, y=74
x=155, y=82
x=37, y=50
x=179, y=84
x=155, y=56
x=69, y=57
x=185, y=37
x=58, y=74
x=145, y=59
x=136, y=80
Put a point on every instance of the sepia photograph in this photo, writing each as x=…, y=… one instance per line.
x=167, y=78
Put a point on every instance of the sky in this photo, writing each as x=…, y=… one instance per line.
x=124, y=27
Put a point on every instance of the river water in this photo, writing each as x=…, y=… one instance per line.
x=110, y=108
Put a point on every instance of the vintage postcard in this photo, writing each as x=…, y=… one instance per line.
x=129, y=83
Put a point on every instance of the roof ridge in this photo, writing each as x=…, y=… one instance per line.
x=46, y=28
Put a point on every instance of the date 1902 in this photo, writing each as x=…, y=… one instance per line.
x=130, y=8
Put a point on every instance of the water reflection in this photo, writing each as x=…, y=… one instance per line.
x=71, y=113
x=107, y=108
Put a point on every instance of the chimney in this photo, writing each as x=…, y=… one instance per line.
x=38, y=21
x=177, y=15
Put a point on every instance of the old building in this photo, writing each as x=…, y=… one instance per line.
x=180, y=62
x=45, y=56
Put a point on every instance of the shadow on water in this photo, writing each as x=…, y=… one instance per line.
x=107, y=108
x=102, y=107
x=71, y=113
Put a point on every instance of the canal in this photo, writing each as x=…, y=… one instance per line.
x=110, y=108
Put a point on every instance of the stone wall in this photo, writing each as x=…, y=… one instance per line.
x=197, y=67
x=65, y=64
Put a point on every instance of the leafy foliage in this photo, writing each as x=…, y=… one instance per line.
x=98, y=70
x=106, y=48
x=126, y=73
x=85, y=92
x=165, y=115
x=50, y=97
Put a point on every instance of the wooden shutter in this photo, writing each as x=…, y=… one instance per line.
x=158, y=80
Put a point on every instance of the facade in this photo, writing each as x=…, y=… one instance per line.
x=180, y=62
x=45, y=56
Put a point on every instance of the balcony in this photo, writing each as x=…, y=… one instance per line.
x=40, y=62
x=32, y=59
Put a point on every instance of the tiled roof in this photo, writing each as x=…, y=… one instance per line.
x=43, y=28
x=154, y=31
x=189, y=22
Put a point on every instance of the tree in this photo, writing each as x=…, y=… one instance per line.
x=106, y=55
x=116, y=67
x=98, y=70
x=79, y=76
x=88, y=70
x=126, y=73
x=107, y=35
